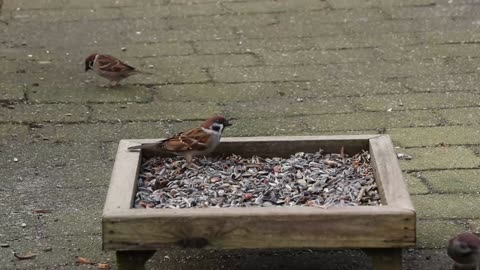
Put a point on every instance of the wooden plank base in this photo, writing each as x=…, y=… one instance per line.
x=133, y=260
x=385, y=258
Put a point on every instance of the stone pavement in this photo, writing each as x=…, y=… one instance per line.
x=286, y=67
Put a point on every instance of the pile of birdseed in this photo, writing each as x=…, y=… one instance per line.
x=303, y=179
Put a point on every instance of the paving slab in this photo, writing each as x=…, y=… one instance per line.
x=288, y=107
x=11, y=133
x=299, y=67
x=291, y=29
x=98, y=132
x=43, y=154
x=230, y=92
x=269, y=127
x=415, y=12
x=343, y=70
x=24, y=15
x=155, y=111
x=461, y=115
x=475, y=225
x=402, y=26
x=436, y=136
x=180, y=35
x=318, y=57
x=417, y=52
x=92, y=33
x=24, y=113
x=283, y=44
x=415, y=185
x=201, y=9
x=371, y=120
x=444, y=83
x=439, y=158
x=377, y=3
x=63, y=222
x=454, y=181
x=455, y=36
x=191, y=61
x=78, y=175
x=66, y=4
x=333, y=16
x=436, y=233
x=421, y=101
x=63, y=252
x=447, y=206
x=225, y=20
x=17, y=225
x=272, y=6
x=11, y=92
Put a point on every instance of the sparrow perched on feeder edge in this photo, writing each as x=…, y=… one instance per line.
x=110, y=68
x=195, y=142
x=464, y=249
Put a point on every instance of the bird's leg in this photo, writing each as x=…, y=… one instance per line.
x=190, y=163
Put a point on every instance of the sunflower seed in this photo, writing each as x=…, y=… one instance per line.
x=304, y=179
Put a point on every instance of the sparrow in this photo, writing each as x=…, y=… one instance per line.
x=195, y=142
x=110, y=67
x=464, y=249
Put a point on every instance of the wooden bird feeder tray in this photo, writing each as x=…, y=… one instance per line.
x=382, y=231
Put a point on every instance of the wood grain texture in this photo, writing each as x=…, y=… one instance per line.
x=346, y=227
x=389, y=226
x=283, y=146
x=121, y=190
x=388, y=175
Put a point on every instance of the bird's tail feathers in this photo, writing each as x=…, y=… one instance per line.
x=151, y=146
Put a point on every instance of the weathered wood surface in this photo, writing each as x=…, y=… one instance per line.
x=361, y=226
x=121, y=190
x=276, y=227
x=388, y=175
x=285, y=145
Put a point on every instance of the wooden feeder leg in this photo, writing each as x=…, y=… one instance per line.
x=133, y=260
x=385, y=258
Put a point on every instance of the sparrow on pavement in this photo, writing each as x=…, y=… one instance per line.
x=195, y=142
x=110, y=67
x=464, y=249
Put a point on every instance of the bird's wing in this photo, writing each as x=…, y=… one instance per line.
x=112, y=64
x=195, y=139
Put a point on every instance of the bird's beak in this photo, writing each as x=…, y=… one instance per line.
x=227, y=124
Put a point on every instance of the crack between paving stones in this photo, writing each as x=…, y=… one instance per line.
x=209, y=74
x=170, y=121
x=192, y=44
x=213, y=83
x=433, y=219
x=423, y=180
x=93, y=120
x=441, y=146
x=440, y=169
